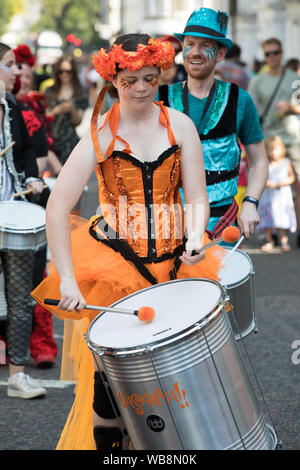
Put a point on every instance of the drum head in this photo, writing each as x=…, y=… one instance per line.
x=236, y=269
x=21, y=215
x=178, y=305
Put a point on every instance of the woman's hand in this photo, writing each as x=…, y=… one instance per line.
x=71, y=297
x=194, y=243
x=190, y=260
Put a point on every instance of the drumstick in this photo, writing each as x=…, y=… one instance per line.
x=26, y=191
x=226, y=258
x=229, y=235
x=6, y=148
x=145, y=314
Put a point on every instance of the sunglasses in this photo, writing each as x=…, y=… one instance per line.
x=268, y=54
x=64, y=71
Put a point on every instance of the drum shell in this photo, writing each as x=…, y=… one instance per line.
x=242, y=313
x=22, y=241
x=199, y=416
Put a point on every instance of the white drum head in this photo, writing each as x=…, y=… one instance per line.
x=23, y=216
x=178, y=305
x=237, y=268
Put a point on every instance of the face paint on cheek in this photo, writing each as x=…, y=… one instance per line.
x=154, y=82
x=211, y=53
x=185, y=52
x=5, y=68
x=126, y=84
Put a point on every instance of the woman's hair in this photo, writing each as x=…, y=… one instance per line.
x=74, y=75
x=3, y=49
x=275, y=139
x=129, y=43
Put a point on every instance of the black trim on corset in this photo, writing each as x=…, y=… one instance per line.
x=227, y=123
x=155, y=163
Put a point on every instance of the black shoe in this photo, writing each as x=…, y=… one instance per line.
x=275, y=239
x=108, y=439
x=298, y=240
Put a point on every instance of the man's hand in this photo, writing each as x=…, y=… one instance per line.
x=248, y=219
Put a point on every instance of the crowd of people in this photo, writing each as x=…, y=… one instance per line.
x=182, y=113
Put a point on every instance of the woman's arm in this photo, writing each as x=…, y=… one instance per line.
x=194, y=186
x=65, y=194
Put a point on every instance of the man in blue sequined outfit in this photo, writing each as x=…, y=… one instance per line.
x=225, y=116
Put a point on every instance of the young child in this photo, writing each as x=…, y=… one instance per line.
x=276, y=207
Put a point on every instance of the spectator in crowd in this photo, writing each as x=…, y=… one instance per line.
x=67, y=101
x=276, y=207
x=233, y=69
x=177, y=72
x=293, y=64
x=275, y=95
x=42, y=345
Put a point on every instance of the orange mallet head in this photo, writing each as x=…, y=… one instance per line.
x=146, y=314
x=231, y=234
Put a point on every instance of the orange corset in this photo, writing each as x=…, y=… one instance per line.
x=140, y=201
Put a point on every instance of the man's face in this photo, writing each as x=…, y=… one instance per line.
x=201, y=56
x=273, y=55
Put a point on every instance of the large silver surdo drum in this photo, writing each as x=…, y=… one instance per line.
x=22, y=226
x=179, y=381
x=236, y=275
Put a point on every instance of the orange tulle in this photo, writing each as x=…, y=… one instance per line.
x=104, y=277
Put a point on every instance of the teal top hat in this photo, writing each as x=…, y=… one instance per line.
x=207, y=23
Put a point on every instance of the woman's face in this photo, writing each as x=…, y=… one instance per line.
x=138, y=87
x=65, y=72
x=8, y=70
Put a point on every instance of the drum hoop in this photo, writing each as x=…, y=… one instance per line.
x=245, y=278
x=141, y=349
x=36, y=228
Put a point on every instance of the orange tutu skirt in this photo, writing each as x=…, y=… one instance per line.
x=103, y=277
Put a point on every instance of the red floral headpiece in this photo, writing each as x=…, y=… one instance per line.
x=24, y=55
x=155, y=53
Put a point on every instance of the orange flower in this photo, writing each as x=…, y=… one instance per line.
x=155, y=53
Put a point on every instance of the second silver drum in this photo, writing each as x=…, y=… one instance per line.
x=237, y=277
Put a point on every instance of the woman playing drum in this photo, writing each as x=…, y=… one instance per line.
x=142, y=152
x=18, y=169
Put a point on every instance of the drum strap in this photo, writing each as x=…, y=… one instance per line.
x=225, y=220
x=228, y=218
x=122, y=247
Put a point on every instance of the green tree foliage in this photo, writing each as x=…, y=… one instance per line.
x=7, y=11
x=71, y=17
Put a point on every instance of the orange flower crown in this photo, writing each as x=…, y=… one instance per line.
x=155, y=53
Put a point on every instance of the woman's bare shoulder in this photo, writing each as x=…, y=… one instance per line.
x=181, y=124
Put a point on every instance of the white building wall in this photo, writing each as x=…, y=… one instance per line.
x=256, y=20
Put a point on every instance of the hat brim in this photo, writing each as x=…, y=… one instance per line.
x=225, y=42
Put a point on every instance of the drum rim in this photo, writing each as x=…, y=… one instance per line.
x=140, y=349
x=37, y=228
x=245, y=278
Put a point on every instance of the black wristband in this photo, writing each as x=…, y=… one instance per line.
x=251, y=199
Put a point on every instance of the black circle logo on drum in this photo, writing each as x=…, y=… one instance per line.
x=155, y=423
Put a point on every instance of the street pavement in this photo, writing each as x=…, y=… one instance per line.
x=274, y=353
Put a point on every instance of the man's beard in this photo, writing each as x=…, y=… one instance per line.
x=203, y=72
